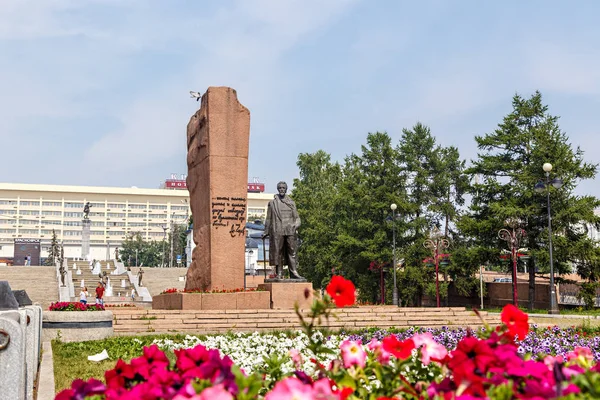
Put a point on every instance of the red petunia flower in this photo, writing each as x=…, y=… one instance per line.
x=400, y=350
x=342, y=291
x=515, y=320
x=471, y=359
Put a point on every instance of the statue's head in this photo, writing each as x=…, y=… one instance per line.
x=282, y=188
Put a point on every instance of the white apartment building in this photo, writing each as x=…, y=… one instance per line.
x=31, y=212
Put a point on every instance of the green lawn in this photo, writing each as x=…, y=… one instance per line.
x=70, y=359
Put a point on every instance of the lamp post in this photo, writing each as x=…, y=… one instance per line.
x=513, y=237
x=540, y=187
x=162, y=263
x=393, y=206
x=435, y=244
x=136, y=257
x=249, y=255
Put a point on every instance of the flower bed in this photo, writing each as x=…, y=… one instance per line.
x=393, y=367
x=74, y=306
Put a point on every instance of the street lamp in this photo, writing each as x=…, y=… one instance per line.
x=513, y=237
x=540, y=187
x=435, y=244
x=393, y=206
x=249, y=255
x=162, y=264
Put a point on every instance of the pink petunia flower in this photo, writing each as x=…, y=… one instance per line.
x=296, y=358
x=382, y=355
x=430, y=349
x=290, y=389
x=353, y=354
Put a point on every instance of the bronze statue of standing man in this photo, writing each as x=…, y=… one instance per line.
x=281, y=228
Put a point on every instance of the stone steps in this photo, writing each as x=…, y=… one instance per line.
x=40, y=283
x=134, y=321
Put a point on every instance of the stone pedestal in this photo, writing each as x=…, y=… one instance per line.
x=258, y=300
x=217, y=141
x=284, y=295
x=85, y=238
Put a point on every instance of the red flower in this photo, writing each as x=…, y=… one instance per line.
x=115, y=378
x=471, y=359
x=341, y=291
x=401, y=350
x=515, y=320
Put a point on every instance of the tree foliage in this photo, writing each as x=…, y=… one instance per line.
x=149, y=253
x=54, y=251
x=509, y=164
x=345, y=209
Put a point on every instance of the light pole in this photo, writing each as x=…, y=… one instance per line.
x=393, y=206
x=162, y=263
x=435, y=244
x=513, y=237
x=136, y=257
x=540, y=187
x=249, y=255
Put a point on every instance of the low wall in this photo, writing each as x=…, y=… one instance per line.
x=498, y=294
x=77, y=326
x=212, y=301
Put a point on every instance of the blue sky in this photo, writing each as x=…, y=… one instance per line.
x=96, y=92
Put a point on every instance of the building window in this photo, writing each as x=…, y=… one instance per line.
x=97, y=205
x=72, y=233
x=7, y=230
x=158, y=207
x=30, y=212
x=179, y=208
x=72, y=223
x=9, y=202
x=51, y=212
x=74, y=214
x=96, y=233
x=30, y=203
x=9, y=212
x=137, y=224
x=137, y=215
x=115, y=205
x=138, y=206
x=116, y=215
x=158, y=216
x=51, y=203
x=73, y=205
x=28, y=231
x=51, y=222
x=97, y=223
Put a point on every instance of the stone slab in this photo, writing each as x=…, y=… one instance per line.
x=46, y=386
x=285, y=295
x=219, y=301
x=7, y=298
x=259, y=300
x=217, y=142
x=22, y=298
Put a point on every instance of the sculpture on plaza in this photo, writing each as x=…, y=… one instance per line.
x=140, y=275
x=281, y=227
x=86, y=210
x=63, y=273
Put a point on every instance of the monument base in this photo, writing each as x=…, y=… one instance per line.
x=256, y=300
x=286, y=293
x=285, y=280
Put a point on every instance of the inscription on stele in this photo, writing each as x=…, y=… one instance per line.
x=229, y=213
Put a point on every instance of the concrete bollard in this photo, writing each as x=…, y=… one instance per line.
x=12, y=360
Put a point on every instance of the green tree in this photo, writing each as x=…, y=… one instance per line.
x=53, y=251
x=314, y=194
x=149, y=253
x=510, y=163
